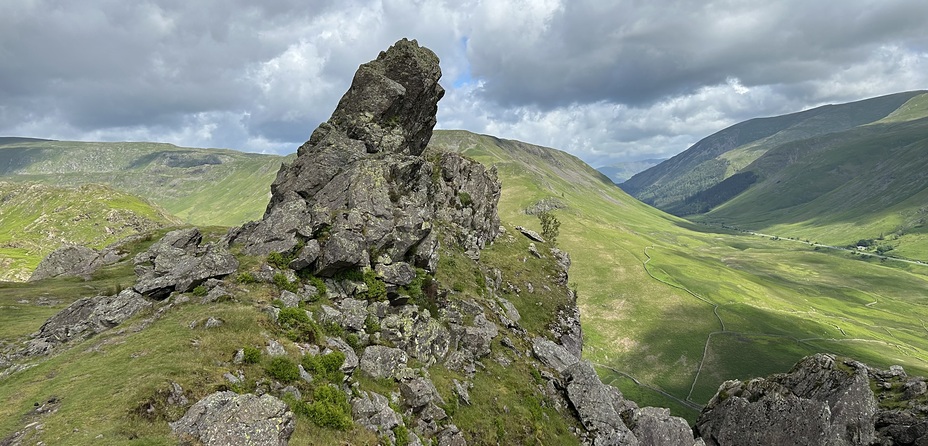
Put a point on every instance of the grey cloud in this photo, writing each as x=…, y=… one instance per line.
x=607, y=81
x=635, y=52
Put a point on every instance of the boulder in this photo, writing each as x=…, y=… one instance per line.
x=72, y=260
x=179, y=263
x=532, y=235
x=821, y=401
x=413, y=330
x=85, y=318
x=399, y=274
x=382, y=362
x=225, y=418
x=372, y=410
x=597, y=405
x=553, y=355
x=418, y=392
x=653, y=425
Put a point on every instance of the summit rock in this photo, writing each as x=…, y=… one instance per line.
x=363, y=192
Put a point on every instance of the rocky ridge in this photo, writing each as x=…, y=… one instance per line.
x=352, y=245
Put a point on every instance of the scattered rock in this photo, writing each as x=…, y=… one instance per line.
x=225, y=418
x=354, y=313
x=212, y=322
x=275, y=349
x=532, y=235
x=380, y=361
x=418, y=392
x=289, y=299
x=460, y=389
x=533, y=250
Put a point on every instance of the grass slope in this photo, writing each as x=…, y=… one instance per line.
x=36, y=219
x=840, y=188
x=201, y=186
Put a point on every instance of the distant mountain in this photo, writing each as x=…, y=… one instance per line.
x=857, y=166
x=620, y=172
x=201, y=186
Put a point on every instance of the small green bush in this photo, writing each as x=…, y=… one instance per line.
x=246, y=278
x=252, y=355
x=325, y=367
x=284, y=284
x=353, y=274
x=298, y=326
x=277, y=260
x=465, y=199
x=402, y=435
x=283, y=369
x=353, y=340
x=371, y=324
x=316, y=282
x=330, y=408
x=376, y=289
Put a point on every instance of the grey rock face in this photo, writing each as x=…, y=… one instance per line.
x=418, y=392
x=361, y=185
x=819, y=402
x=553, y=355
x=225, y=418
x=413, y=330
x=655, y=426
x=178, y=262
x=79, y=261
x=86, y=317
x=382, y=362
x=596, y=405
x=372, y=410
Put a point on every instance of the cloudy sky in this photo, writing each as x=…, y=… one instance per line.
x=605, y=80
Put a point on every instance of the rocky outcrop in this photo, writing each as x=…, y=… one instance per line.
x=180, y=262
x=361, y=193
x=225, y=418
x=74, y=260
x=84, y=318
x=822, y=401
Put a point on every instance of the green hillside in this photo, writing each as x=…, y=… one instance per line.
x=201, y=186
x=36, y=219
x=679, y=308
x=723, y=154
x=835, y=175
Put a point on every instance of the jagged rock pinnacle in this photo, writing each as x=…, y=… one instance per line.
x=361, y=193
x=393, y=99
